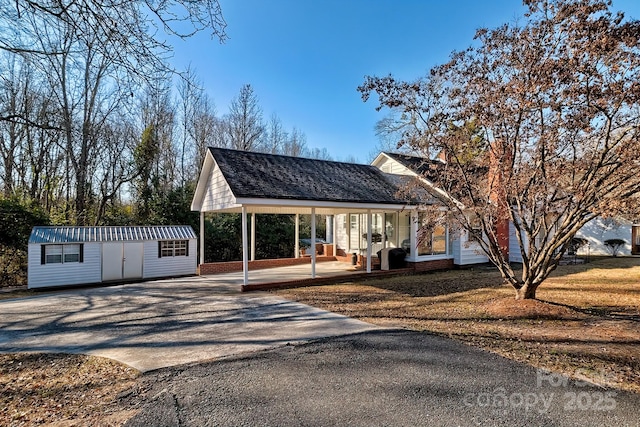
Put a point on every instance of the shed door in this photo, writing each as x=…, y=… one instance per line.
x=112, y=254
x=121, y=261
x=132, y=261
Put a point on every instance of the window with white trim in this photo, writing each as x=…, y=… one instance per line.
x=432, y=239
x=61, y=254
x=173, y=248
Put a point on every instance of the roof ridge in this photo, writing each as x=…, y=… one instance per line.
x=260, y=153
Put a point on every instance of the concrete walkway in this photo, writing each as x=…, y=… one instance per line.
x=163, y=323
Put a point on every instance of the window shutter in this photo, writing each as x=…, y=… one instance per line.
x=43, y=259
x=81, y=254
x=187, y=248
x=159, y=249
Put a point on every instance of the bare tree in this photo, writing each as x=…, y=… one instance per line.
x=296, y=144
x=539, y=125
x=116, y=166
x=134, y=28
x=275, y=135
x=319, y=153
x=203, y=132
x=245, y=126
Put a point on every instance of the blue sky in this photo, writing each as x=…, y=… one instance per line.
x=306, y=58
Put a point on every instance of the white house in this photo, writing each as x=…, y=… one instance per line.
x=365, y=203
x=63, y=256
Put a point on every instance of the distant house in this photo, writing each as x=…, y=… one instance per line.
x=63, y=256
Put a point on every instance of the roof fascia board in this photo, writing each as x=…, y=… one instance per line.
x=201, y=186
x=322, y=204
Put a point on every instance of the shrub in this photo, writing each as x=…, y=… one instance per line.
x=614, y=245
x=16, y=221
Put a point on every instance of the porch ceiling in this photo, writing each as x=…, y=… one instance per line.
x=305, y=210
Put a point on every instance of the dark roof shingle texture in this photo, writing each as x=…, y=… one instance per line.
x=268, y=176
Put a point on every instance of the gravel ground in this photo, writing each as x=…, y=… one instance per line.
x=390, y=378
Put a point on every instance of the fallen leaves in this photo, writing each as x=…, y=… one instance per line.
x=62, y=389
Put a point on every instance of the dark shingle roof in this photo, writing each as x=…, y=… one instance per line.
x=268, y=176
x=424, y=167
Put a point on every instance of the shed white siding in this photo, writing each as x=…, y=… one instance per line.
x=598, y=230
x=75, y=273
x=155, y=266
x=108, y=254
x=467, y=252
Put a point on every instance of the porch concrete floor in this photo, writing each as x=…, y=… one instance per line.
x=293, y=273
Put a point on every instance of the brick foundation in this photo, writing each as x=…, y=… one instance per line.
x=440, y=264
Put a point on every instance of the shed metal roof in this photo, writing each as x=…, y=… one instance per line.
x=66, y=234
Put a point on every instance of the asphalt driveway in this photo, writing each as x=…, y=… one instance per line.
x=377, y=378
x=163, y=323
x=340, y=372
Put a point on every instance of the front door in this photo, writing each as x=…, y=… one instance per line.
x=635, y=240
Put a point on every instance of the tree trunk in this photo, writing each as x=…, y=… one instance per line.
x=527, y=291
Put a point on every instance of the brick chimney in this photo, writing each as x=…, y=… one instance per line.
x=499, y=157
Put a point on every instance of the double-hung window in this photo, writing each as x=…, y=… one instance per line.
x=61, y=254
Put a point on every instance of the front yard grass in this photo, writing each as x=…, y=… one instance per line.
x=585, y=322
x=63, y=390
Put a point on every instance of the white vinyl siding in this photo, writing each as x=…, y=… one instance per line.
x=62, y=274
x=388, y=165
x=467, y=252
x=342, y=232
x=108, y=254
x=514, y=246
x=155, y=266
x=598, y=230
x=217, y=195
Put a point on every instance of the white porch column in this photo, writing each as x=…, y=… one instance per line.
x=384, y=229
x=245, y=248
x=335, y=235
x=369, y=241
x=313, y=243
x=201, y=237
x=328, y=221
x=297, y=237
x=253, y=236
x=413, y=235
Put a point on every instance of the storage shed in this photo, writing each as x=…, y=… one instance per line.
x=62, y=256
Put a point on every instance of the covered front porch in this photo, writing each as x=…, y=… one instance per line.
x=329, y=260
x=249, y=183
x=298, y=275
